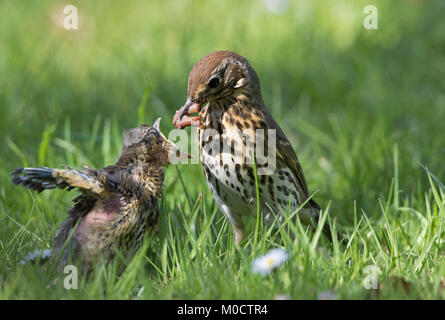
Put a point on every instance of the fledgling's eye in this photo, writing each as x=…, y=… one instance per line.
x=152, y=139
x=214, y=82
x=148, y=144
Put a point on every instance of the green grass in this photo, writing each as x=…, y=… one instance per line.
x=364, y=110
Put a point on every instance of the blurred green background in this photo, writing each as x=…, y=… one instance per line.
x=317, y=64
x=345, y=96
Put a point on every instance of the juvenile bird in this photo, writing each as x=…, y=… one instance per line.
x=225, y=90
x=118, y=204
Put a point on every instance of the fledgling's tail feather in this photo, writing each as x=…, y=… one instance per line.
x=37, y=179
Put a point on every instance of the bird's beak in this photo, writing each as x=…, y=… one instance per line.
x=181, y=118
x=188, y=108
x=172, y=149
x=174, y=153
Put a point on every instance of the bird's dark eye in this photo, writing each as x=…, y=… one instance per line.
x=148, y=144
x=214, y=83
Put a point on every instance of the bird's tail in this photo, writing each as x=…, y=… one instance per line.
x=37, y=179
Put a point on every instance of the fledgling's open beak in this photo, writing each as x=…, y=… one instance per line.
x=172, y=149
x=174, y=152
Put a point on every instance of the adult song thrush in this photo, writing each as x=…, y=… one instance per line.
x=225, y=90
x=118, y=204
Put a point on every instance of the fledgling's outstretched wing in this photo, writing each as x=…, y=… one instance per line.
x=42, y=178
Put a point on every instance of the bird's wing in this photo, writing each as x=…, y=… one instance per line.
x=98, y=182
x=286, y=155
x=94, y=181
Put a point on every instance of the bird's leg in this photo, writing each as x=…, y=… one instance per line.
x=237, y=224
x=181, y=120
x=238, y=229
x=238, y=234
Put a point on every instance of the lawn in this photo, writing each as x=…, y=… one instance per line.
x=364, y=110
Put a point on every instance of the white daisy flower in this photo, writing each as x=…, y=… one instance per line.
x=141, y=291
x=327, y=295
x=37, y=254
x=265, y=264
x=277, y=6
